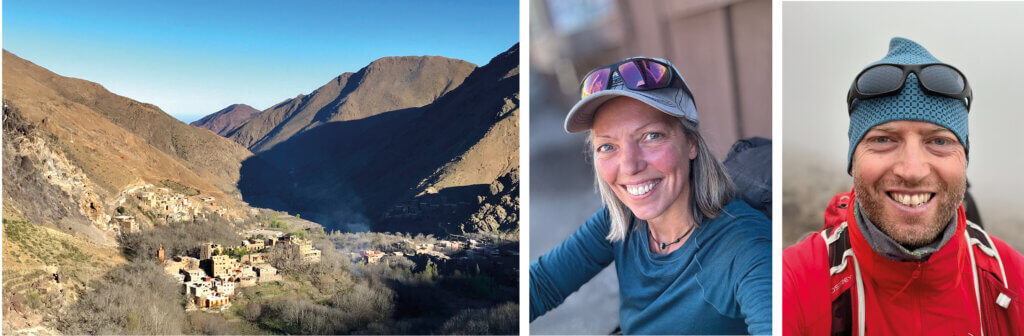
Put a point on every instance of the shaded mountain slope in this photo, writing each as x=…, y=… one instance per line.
x=227, y=119
x=387, y=84
x=71, y=148
x=346, y=174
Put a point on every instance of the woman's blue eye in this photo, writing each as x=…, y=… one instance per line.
x=652, y=136
x=604, y=148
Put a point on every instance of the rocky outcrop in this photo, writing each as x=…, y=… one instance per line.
x=42, y=185
x=498, y=212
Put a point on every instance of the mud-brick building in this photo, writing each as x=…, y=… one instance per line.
x=222, y=266
x=126, y=224
x=266, y=273
x=302, y=249
x=213, y=301
x=372, y=256
x=207, y=250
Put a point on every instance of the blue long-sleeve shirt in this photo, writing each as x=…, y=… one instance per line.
x=718, y=282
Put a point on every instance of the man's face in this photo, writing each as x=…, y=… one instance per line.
x=910, y=176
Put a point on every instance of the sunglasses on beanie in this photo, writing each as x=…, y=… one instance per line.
x=937, y=79
x=638, y=74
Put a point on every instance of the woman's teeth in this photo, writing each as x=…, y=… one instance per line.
x=641, y=189
x=911, y=200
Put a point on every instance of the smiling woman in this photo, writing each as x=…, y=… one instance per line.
x=689, y=259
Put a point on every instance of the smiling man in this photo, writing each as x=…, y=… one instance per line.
x=897, y=255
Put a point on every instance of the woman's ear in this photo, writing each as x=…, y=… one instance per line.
x=693, y=147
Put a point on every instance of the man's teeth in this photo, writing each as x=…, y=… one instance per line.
x=640, y=189
x=911, y=200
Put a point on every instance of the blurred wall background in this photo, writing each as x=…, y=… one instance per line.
x=825, y=45
x=722, y=48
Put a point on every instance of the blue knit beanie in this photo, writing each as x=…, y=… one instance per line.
x=910, y=104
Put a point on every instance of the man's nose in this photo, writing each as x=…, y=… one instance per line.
x=914, y=164
x=632, y=160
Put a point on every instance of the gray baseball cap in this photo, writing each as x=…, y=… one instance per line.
x=674, y=100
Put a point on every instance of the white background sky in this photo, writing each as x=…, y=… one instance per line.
x=825, y=45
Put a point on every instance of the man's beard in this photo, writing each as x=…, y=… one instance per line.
x=911, y=232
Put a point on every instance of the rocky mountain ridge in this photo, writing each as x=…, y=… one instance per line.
x=387, y=84
x=347, y=174
x=227, y=119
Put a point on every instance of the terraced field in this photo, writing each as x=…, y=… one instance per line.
x=34, y=259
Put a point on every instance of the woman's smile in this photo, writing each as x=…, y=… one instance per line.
x=641, y=190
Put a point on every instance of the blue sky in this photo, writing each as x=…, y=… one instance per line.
x=192, y=58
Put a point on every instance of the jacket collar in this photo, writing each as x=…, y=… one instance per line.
x=889, y=248
x=941, y=271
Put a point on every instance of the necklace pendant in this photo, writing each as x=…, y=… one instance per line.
x=663, y=246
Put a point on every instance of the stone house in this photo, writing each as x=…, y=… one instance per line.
x=213, y=301
x=303, y=249
x=224, y=288
x=372, y=256
x=206, y=251
x=266, y=273
x=254, y=258
x=247, y=281
x=126, y=224
x=193, y=275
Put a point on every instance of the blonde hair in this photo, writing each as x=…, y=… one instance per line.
x=710, y=185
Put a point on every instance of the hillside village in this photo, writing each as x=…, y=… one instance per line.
x=163, y=205
x=469, y=255
x=210, y=280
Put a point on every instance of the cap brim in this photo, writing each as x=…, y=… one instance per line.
x=581, y=116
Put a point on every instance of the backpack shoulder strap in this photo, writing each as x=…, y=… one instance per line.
x=840, y=256
x=977, y=237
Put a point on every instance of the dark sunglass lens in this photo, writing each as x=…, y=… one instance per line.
x=880, y=79
x=596, y=81
x=942, y=79
x=644, y=74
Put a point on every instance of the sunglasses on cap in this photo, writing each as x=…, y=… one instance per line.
x=937, y=79
x=639, y=73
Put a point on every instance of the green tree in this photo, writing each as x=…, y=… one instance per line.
x=429, y=271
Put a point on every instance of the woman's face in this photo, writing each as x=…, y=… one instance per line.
x=644, y=156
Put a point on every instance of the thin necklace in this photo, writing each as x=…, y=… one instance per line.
x=663, y=246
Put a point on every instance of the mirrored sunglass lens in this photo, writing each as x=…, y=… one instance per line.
x=644, y=74
x=942, y=79
x=595, y=82
x=880, y=79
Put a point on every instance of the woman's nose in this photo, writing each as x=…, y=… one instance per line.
x=632, y=160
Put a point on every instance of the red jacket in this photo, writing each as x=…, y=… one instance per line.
x=934, y=297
